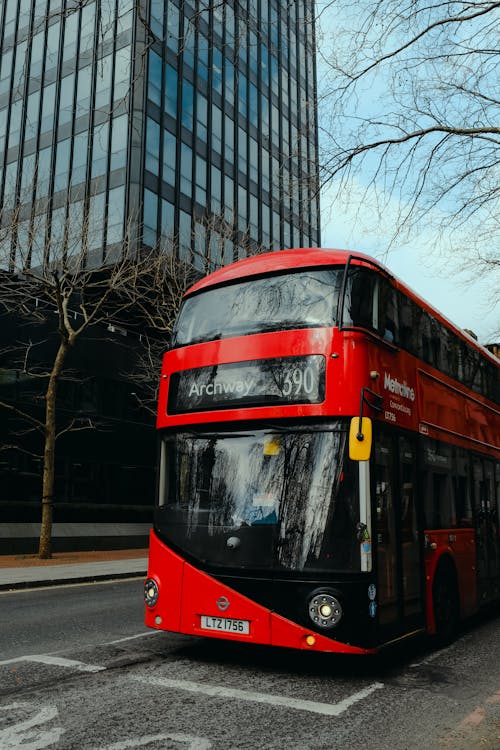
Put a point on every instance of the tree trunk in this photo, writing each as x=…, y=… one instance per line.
x=49, y=453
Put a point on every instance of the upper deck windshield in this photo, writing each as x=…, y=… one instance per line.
x=301, y=299
x=282, y=499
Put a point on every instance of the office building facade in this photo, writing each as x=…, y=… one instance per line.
x=189, y=125
x=177, y=122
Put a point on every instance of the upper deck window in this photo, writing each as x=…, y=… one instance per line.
x=302, y=299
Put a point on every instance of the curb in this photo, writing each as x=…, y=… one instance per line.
x=73, y=580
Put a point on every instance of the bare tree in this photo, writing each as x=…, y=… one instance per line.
x=409, y=106
x=72, y=290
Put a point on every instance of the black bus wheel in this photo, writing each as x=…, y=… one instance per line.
x=446, y=605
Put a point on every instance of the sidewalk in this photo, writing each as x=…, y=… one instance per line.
x=28, y=571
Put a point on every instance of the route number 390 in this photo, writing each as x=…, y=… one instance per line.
x=298, y=381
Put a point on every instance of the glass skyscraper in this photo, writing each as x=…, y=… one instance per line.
x=191, y=124
x=123, y=124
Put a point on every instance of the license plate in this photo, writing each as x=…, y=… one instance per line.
x=225, y=625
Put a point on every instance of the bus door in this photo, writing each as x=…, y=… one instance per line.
x=399, y=564
x=487, y=528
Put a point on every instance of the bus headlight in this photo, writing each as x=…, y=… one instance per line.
x=151, y=592
x=325, y=610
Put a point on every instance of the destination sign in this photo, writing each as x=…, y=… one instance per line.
x=284, y=380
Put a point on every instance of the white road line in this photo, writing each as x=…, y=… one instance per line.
x=56, y=661
x=28, y=734
x=214, y=691
x=130, y=638
x=431, y=657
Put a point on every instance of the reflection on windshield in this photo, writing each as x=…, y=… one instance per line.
x=305, y=298
x=289, y=499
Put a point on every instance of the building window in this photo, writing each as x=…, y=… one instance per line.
x=201, y=117
x=216, y=129
x=186, y=169
x=66, y=99
x=100, y=149
x=5, y=70
x=84, y=86
x=201, y=181
x=61, y=172
x=216, y=189
x=184, y=236
x=242, y=95
x=169, y=158
x=103, y=83
x=32, y=111
x=156, y=17
x=154, y=79
x=121, y=84
x=167, y=220
x=43, y=172
x=242, y=150
x=217, y=70
x=95, y=227
x=170, y=105
x=187, y=104
x=150, y=218
x=116, y=198
x=152, y=147
x=228, y=139
x=80, y=153
x=119, y=142
x=173, y=28
x=52, y=46
x=48, y=107
x=229, y=82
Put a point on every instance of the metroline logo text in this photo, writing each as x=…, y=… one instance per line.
x=395, y=386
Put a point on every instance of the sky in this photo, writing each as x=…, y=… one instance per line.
x=463, y=300
x=353, y=223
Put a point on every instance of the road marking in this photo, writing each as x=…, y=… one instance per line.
x=195, y=743
x=431, y=657
x=56, y=661
x=23, y=734
x=130, y=638
x=214, y=691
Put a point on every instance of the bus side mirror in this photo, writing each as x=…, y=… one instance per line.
x=360, y=439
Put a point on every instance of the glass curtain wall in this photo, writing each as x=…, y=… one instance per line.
x=65, y=72
x=230, y=156
x=205, y=119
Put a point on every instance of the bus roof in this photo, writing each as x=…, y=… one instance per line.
x=283, y=260
x=280, y=260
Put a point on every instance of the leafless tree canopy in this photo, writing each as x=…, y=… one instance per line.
x=72, y=289
x=410, y=93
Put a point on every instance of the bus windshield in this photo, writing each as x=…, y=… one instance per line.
x=264, y=499
x=302, y=299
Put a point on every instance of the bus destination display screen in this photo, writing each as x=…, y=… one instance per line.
x=285, y=380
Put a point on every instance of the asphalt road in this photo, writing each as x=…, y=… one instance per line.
x=78, y=670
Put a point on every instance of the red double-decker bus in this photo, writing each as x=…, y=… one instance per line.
x=329, y=471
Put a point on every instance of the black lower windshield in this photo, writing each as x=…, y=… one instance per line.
x=264, y=499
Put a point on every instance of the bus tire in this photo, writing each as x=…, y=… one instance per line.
x=446, y=604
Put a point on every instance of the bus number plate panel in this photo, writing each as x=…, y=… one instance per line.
x=225, y=625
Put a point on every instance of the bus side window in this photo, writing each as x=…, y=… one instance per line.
x=463, y=505
x=407, y=323
x=424, y=338
x=359, y=298
x=439, y=506
x=388, y=318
